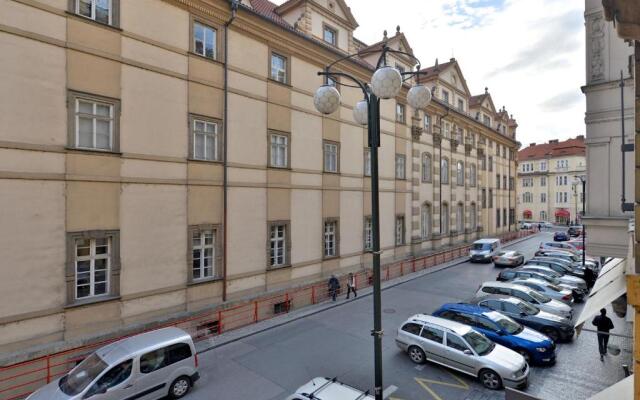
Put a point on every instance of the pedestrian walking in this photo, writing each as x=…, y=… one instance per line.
x=604, y=325
x=539, y=227
x=589, y=277
x=334, y=285
x=351, y=285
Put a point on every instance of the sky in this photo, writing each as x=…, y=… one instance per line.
x=529, y=53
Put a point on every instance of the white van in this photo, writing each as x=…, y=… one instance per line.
x=148, y=366
x=325, y=388
x=484, y=249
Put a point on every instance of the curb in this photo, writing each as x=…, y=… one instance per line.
x=330, y=305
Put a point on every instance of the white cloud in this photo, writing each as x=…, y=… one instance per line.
x=530, y=53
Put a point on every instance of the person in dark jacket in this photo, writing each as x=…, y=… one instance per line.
x=334, y=285
x=351, y=285
x=604, y=325
x=589, y=277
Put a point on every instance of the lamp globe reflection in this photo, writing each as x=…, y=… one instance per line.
x=386, y=82
x=419, y=97
x=326, y=99
x=361, y=112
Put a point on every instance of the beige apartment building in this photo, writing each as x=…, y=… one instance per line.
x=130, y=193
x=548, y=189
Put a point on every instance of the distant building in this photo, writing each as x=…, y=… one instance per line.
x=547, y=189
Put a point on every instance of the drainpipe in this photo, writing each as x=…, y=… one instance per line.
x=233, y=4
x=624, y=148
x=448, y=172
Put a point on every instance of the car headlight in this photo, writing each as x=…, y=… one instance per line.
x=541, y=349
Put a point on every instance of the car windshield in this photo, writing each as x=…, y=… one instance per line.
x=506, y=323
x=528, y=308
x=82, y=375
x=479, y=342
x=481, y=246
x=539, y=296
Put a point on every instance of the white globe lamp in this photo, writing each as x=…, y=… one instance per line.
x=386, y=82
x=419, y=97
x=361, y=112
x=326, y=99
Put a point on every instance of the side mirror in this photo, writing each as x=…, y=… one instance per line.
x=468, y=352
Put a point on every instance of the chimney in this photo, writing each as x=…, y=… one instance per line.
x=554, y=141
x=580, y=137
x=531, y=144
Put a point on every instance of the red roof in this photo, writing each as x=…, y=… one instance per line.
x=267, y=9
x=555, y=148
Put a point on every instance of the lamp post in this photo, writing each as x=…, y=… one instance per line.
x=578, y=180
x=386, y=83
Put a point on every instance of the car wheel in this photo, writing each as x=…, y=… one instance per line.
x=180, y=387
x=552, y=333
x=417, y=355
x=525, y=354
x=490, y=379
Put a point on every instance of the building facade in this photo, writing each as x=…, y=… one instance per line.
x=608, y=58
x=547, y=186
x=172, y=160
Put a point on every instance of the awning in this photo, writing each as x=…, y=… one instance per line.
x=527, y=213
x=610, y=285
x=563, y=213
x=621, y=390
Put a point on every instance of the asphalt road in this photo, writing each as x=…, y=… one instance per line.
x=337, y=342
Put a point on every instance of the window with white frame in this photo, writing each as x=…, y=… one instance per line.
x=204, y=40
x=367, y=162
x=279, y=149
x=472, y=175
x=203, y=245
x=543, y=197
x=98, y=10
x=444, y=219
x=444, y=171
x=368, y=233
x=331, y=157
x=400, y=113
x=205, y=140
x=95, y=125
x=399, y=230
x=426, y=167
x=278, y=245
x=566, y=197
x=92, y=263
x=330, y=238
x=447, y=130
x=543, y=165
x=460, y=173
x=400, y=166
x=330, y=35
x=278, y=68
x=459, y=133
x=460, y=218
x=427, y=122
x=425, y=221
x=543, y=181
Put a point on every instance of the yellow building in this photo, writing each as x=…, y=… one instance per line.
x=130, y=193
x=547, y=188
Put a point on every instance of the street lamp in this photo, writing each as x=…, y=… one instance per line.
x=583, y=180
x=386, y=83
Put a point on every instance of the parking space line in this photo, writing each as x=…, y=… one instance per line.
x=424, y=383
x=389, y=391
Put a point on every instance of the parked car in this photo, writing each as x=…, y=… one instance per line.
x=547, y=224
x=325, y=388
x=547, y=288
x=576, y=260
x=558, y=265
x=522, y=292
x=458, y=346
x=165, y=361
x=508, y=258
x=565, y=246
x=484, y=250
x=576, y=243
x=532, y=345
x=526, y=226
x=574, y=230
x=567, y=279
x=552, y=325
x=560, y=236
x=513, y=274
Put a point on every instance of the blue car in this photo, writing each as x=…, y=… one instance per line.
x=560, y=237
x=535, y=347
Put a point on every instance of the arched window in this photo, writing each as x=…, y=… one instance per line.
x=425, y=221
x=444, y=219
x=473, y=218
x=444, y=171
x=472, y=175
x=460, y=218
x=460, y=173
x=426, y=167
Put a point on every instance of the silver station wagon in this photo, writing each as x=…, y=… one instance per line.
x=460, y=347
x=148, y=366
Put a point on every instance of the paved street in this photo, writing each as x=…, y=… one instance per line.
x=336, y=342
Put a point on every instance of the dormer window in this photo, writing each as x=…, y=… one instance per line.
x=460, y=105
x=330, y=35
x=445, y=96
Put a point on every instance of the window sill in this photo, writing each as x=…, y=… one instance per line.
x=92, y=300
x=205, y=161
x=196, y=282
x=205, y=58
x=285, y=84
x=279, y=168
x=95, y=151
x=277, y=267
x=331, y=172
x=93, y=21
x=329, y=258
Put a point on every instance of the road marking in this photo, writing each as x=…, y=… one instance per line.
x=389, y=391
x=424, y=383
x=419, y=367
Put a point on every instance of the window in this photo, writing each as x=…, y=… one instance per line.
x=504, y=216
x=204, y=40
x=368, y=233
x=504, y=182
x=459, y=135
x=444, y=219
x=511, y=184
x=412, y=328
x=484, y=198
x=473, y=217
x=543, y=215
x=504, y=149
x=92, y=266
x=543, y=197
x=447, y=130
x=427, y=122
x=400, y=115
x=486, y=120
x=460, y=105
x=279, y=244
x=94, y=122
x=445, y=96
x=565, y=197
x=472, y=175
x=400, y=166
x=433, y=334
x=330, y=35
x=460, y=218
x=564, y=180
x=400, y=230
x=490, y=163
x=205, y=140
x=543, y=181
x=426, y=167
x=497, y=217
x=460, y=173
x=103, y=11
x=164, y=357
x=425, y=221
x=483, y=163
x=279, y=71
x=456, y=343
x=512, y=216
x=367, y=162
x=486, y=324
x=279, y=150
x=206, y=252
x=111, y=378
x=444, y=171
x=497, y=181
x=497, y=150
x=330, y=238
x=331, y=157
x=490, y=198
